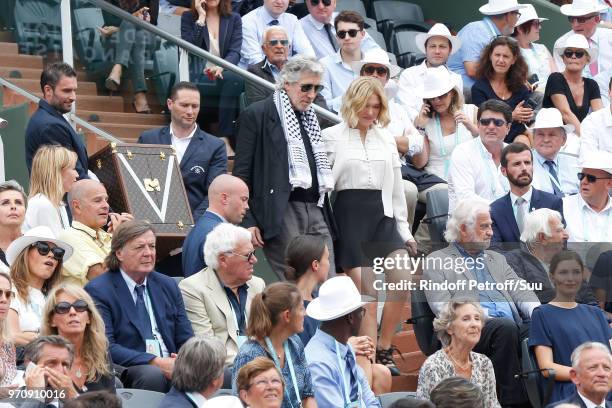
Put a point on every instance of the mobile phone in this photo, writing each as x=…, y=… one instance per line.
x=531, y=103
x=533, y=79
x=430, y=113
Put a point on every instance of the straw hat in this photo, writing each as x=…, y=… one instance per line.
x=376, y=56
x=550, y=118
x=496, y=7
x=338, y=297
x=438, y=30
x=528, y=14
x=582, y=8
x=40, y=233
x=437, y=82
x=578, y=41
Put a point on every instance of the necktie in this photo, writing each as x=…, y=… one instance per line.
x=141, y=309
x=520, y=213
x=593, y=66
x=551, y=169
x=273, y=22
x=350, y=362
x=331, y=36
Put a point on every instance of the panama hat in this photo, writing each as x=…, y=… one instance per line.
x=599, y=160
x=337, y=297
x=376, y=56
x=550, y=118
x=36, y=234
x=577, y=41
x=437, y=82
x=582, y=8
x=438, y=30
x=496, y=7
x=528, y=14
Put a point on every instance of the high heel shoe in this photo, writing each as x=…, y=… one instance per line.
x=146, y=111
x=112, y=84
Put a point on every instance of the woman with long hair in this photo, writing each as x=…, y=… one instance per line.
x=502, y=75
x=71, y=313
x=8, y=369
x=53, y=175
x=276, y=317
x=12, y=213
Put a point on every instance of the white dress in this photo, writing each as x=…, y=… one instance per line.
x=30, y=313
x=41, y=211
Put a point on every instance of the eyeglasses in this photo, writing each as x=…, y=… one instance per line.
x=580, y=20
x=309, y=87
x=570, y=54
x=370, y=69
x=64, y=307
x=7, y=294
x=44, y=248
x=487, y=122
x=276, y=382
x=326, y=3
x=352, y=33
x=248, y=256
x=274, y=43
x=591, y=178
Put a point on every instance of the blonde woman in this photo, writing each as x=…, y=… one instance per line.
x=53, y=175
x=71, y=313
x=36, y=261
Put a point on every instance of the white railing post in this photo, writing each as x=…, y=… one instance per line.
x=183, y=65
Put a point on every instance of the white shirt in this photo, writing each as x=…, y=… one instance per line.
x=590, y=404
x=373, y=165
x=336, y=79
x=196, y=398
x=584, y=224
x=41, y=211
x=567, y=170
x=473, y=173
x=30, y=313
x=180, y=144
x=401, y=125
x=131, y=284
x=596, y=132
x=253, y=25
x=601, y=39
x=411, y=87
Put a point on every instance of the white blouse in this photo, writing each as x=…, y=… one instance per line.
x=30, y=314
x=41, y=211
x=372, y=165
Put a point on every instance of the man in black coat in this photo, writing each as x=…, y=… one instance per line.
x=281, y=156
x=47, y=125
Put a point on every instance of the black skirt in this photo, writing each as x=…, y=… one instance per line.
x=364, y=232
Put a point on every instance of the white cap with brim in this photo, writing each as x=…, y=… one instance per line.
x=376, y=56
x=582, y=8
x=437, y=82
x=550, y=118
x=578, y=41
x=528, y=14
x=598, y=160
x=497, y=7
x=338, y=297
x=438, y=30
x=41, y=233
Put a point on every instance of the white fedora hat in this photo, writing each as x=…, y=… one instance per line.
x=223, y=401
x=528, y=14
x=599, y=159
x=578, y=41
x=496, y=7
x=376, y=56
x=582, y=8
x=337, y=297
x=40, y=233
x=437, y=82
x=550, y=118
x=438, y=30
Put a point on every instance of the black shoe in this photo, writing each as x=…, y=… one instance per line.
x=385, y=357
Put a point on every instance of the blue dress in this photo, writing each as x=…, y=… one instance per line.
x=310, y=327
x=563, y=330
x=252, y=349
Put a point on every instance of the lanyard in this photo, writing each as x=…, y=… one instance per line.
x=585, y=230
x=346, y=390
x=291, y=370
x=234, y=316
x=441, y=143
x=490, y=26
x=154, y=327
x=551, y=177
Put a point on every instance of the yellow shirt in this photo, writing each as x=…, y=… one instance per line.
x=90, y=248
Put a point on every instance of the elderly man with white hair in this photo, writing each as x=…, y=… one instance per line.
x=543, y=236
x=473, y=272
x=217, y=299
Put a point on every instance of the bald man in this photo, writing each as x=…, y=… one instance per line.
x=90, y=213
x=228, y=201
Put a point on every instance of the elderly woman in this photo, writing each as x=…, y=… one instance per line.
x=502, y=73
x=277, y=316
x=444, y=120
x=12, y=213
x=560, y=326
x=569, y=91
x=36, y=261
x=538, y=58
x=53, y=175
x=71, y=313
x=8, y=369
x=260, y=384
x=458, y=328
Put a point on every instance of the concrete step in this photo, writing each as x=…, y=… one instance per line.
x=123, y=131
x=406, y=341
x=33, y=85
x=9, y=48
x=407, y=382
x=21, y=60
x=124, y=118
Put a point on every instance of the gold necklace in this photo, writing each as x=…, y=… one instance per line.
x=456, y=363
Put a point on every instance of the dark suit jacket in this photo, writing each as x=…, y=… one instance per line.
x=193, y=254
x=230, y=35
x=124, y=331
x=505, y=228
x=176, y=399
x=204, y=159
x=576, y=400
x=48, y=126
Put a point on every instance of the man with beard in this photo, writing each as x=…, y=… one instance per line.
x=509, y=212
x=47, y=125
x=473, y=272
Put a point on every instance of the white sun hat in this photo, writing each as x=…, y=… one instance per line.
x=599, y=160
x=550, y=118
x=223, y=401
x=528, y=14
x=376, y=56
x=578, y=41
x=437, y=82
x=40, y=233
x=438, y=30
x=496, y=7
x=338, y=297
x=582, y=8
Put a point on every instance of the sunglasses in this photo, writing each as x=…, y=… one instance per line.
x=309, y=87
x=487, y=122
x=369, y=70
x=64, y=307
x=44, y=248
x=591, y=178
x=579, y=20
x=247, y=257
x=352, y=33
x=274, y=43
x=7, y=294
x=570, y=54
x=326, y=3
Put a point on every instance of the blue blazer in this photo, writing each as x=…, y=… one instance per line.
x=48, y=126
x=124, y=331
x=230, y=35
x=176, y=399
x=193, y=246
x=505, y=228
x=575, y=400
x=204, y=159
